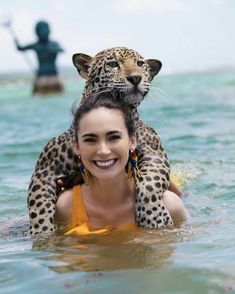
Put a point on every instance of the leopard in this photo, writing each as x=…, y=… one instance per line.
x=122, y=70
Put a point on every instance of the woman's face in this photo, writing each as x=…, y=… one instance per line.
x=104, y=142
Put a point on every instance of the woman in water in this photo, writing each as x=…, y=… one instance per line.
x=105, y=141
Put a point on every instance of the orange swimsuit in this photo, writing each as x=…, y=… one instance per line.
x=80, y=224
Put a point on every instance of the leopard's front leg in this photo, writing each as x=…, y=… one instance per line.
x=41, y=203
x=154, y=169
x=57, y=159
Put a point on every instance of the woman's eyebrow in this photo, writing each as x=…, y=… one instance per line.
x=114, y=133
x=92, y=135
x=89, y=135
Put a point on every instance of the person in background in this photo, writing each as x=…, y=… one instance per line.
x=47, y=80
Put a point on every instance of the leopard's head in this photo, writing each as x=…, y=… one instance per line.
x=118, y=69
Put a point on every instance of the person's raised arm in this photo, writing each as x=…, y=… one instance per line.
x=23, y=48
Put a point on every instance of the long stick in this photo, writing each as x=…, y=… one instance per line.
x=8, y=25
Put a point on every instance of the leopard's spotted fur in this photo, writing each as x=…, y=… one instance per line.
x=116, y=69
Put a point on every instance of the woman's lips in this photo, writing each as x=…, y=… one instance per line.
x=104, y=164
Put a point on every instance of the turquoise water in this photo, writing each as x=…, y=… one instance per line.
x=194, y=114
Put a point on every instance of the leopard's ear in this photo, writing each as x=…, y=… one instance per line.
x=82, y=62
x=154, y=66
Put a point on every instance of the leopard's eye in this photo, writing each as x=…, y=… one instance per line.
x=112, y=64
x=140, y=63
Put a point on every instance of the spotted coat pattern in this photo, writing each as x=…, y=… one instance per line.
x=116, y=69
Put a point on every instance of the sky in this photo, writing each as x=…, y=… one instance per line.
x=186, y=35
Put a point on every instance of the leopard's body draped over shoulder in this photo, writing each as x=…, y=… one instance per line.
x=116, y=69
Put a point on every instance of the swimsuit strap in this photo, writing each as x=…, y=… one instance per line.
x=79, y=213
x=80, y=224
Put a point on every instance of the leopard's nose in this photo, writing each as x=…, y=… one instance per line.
x=134, y=79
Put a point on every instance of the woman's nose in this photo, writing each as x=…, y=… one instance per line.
x=103, y=149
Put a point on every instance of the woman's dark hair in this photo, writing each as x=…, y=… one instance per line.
x=107, y=100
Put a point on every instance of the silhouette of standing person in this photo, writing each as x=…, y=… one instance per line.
x=47, y=80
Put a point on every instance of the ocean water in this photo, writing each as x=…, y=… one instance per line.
x=194, y=114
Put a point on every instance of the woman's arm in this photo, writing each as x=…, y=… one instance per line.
x=64, y=207
x=175, y=206
x=173, y=188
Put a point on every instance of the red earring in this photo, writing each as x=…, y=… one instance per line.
x=133, y=171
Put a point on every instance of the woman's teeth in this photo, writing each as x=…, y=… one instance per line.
x=105, y=163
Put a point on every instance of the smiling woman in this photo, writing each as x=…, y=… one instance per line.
x=105, y=144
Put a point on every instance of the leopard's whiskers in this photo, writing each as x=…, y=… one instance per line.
x=161, y=96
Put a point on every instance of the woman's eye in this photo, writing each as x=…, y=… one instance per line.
x=112, y=64
x=140, y=63
x=89, y=140
x=114, y=137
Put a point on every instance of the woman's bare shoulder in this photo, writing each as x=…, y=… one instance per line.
x=64, y=207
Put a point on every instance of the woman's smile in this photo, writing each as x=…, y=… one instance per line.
x=105, y=164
